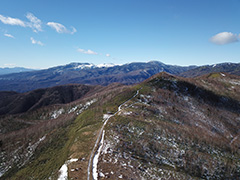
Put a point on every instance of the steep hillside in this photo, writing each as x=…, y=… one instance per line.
x=85, y=73
x=231, y=68
x=222, y=83
x=13, y=103
x=164, y=128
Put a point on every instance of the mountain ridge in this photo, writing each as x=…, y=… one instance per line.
x=104, y=74
x=85, y=73
x=231, y=68
x=9, y=70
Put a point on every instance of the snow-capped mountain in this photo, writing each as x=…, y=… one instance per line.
x=86, y=73
x=91, y=65
x=103, y=74
x=79, y=66
x=83, y=65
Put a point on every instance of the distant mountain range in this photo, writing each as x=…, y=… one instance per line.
x=231, y=68
x=86, y=73
x=8, y=70
x=103, y=74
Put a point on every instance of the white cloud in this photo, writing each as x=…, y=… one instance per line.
x=35, y=23
x=36, y=42
x=73, y=30
x=86, y=51
x=9, y=35
x=61, y=28
x=108, y=55
x=58, y=27
x=224, y=38
x=12, y=21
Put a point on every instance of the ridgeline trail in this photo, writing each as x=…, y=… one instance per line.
x=100, y=139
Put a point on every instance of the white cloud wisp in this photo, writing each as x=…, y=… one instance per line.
x=73, y=30
x=12, y=21
x=36, y=42
x=35, y=23
x=9, y=35
x=86, y=51
x=224, y=38
x=61, y=28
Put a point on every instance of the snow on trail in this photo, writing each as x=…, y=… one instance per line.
x=119, y=107
x=96, y=144
x=64, y=170
x=94, y=160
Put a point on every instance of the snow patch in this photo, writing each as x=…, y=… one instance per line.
x=92, y=66
x=57, y=113
x=84, y=66
x=234, y=82
x=73, y=109
x=101, y=175
x=63, y=173
x=87, y=104
x=105, y=65
x=107, y=148
x=64, y=169
x=127, y=113
x=120, y=176
x=106, y=116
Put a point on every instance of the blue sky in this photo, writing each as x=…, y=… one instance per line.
x=46, y=33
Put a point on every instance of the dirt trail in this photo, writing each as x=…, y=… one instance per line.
x=97, y=143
